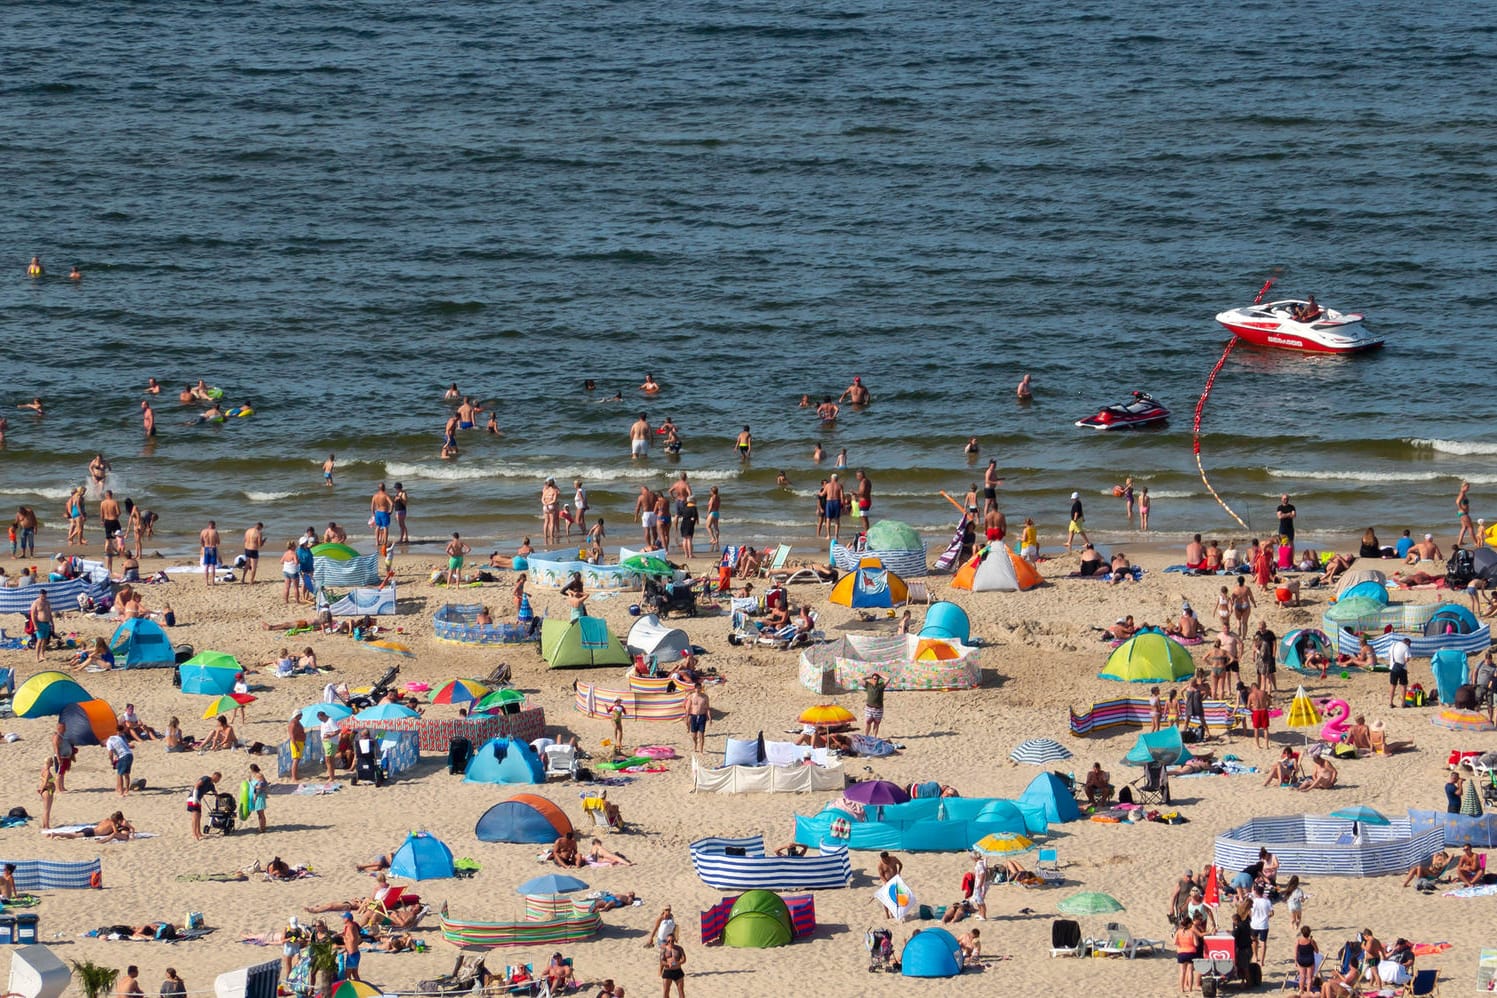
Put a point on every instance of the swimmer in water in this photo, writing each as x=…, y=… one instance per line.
x=153, y=387
x=745, y=444
x=327, y=469
x=782, y=481
x=842, y=458
x=75, y=274
x=589, y=385
x=493, y=424
x=185, y=396
x=148, y=418
x=1024, y=391
x=98, y=469
x=452, y=394
x=827, y=410
x=212, y=414
x=617, y=397
x=200, y=391
x=818, y=454
x=35, y=405
x=35, y=269
x=650, y=387
x=805, y=401
x=971, y=447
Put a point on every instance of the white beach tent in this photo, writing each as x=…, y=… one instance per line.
x=650, y=638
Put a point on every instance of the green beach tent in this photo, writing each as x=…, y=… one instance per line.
x=894, y=535
x=1149, y=658
x=758, y=920
x=580, y=643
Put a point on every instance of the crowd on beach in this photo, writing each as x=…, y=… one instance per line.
x=1272, y=573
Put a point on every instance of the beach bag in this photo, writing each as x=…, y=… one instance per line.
x=1460, y=569
x=1417, y=696
x=194, y=920
x=1344, y=751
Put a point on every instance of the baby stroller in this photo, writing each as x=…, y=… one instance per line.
x=225, y=810
x=880, y=943
x=368, y=766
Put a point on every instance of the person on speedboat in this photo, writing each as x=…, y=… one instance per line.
x=1308, y=312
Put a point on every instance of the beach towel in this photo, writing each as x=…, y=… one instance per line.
x=594, y=631
x=317, y=789
x=1479, y=891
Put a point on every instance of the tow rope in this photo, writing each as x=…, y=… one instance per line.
x=1196, y=430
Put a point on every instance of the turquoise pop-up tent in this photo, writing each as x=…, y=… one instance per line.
x=1164, y=745
x=1048, y=792
x=931, y=953
x=139, y=643
x=505, y=760
x=422, y=856
x=1450, y=669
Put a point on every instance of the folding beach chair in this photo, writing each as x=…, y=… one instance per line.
x=1047, y=865
x=1425, y=982
x=775, y=563
x=1121, y=942
x=1154, y=786
x=602, y=814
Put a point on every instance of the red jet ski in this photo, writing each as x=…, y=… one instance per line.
x=1142, y=410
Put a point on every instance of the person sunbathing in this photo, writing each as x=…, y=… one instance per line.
x=114, y=827
x=98, y=657
x=1189, y=627
x=1365, y=658
x=1359, y=736
x=970, y=944
x=1318, y=659
x=1120, y=568
x=777, y=618
x=222, y=737
x=1432, y=869
x=1196, y=764
x=1285, y=771
x=1323, y=777
x=357, y=904
x=1339, y=563
x=791, y=848
x=748, y=563
x=559, y=975
x=395, y=942
x=598, y=856
x=1122, y=629
x=1098, y=784
x=609, y=901
x=1337, y=985
x=564, y=852
x=279, y=869
x=1469, y=870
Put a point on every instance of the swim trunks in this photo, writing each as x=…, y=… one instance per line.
x=1260, y=719
x=1077, y=526
x=834, y=509
x=989, y=492
x=251, y=554
x=210, y=557
x=994, y=534
x=327, y=476
x=381, y=518
x=298, y=749
x=111, y=527
x=455, y=562
x=123, y=763
x=639, y=447
x=464, y=425
x=647, y=520
x=44, y=630
x=873, y=713
x=696, y=722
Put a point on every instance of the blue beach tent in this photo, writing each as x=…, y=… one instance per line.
x=422, y=856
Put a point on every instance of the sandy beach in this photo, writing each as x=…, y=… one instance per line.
x=1042, y=656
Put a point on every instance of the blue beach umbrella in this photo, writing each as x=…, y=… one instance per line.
x=551, y=883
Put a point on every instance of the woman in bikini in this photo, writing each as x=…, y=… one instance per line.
x=1224, y=610
x=1242, y=606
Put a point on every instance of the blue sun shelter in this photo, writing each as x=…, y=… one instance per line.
x=139, y=643
x=1048, y=792
x=505, y=760
x=422, y=856
x=1451, y=669
x=1296, y=646
x=931, y=953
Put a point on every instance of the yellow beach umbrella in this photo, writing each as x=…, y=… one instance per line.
x=1302, y=711
x=227, y=704
x=824, y=714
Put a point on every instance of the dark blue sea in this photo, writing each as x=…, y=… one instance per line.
x=334, y=210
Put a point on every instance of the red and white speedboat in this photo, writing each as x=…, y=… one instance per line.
x=1275, y=324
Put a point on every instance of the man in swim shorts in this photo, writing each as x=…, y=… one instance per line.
x=380, y=508
x=254, y=540
x=990, y=486
x=327, y=470
x=745, y=444
x=639, y=438
x=865, y=498
x=109, y=512
x=644, y=508
x=834, y=495
x=208, y=542
x=455, y=551
x=296, y=737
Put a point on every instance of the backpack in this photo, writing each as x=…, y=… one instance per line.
x=1416, y=696
x=1460, y=569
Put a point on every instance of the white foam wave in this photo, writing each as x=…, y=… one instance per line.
x=1463, y=447
x=1381, y=477
x=267, y=496
x=42, y=492
x=539, y=473
x=1170, y=494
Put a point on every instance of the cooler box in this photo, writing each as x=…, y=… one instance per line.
x=7, y=930
x=26, y=930
x=1220, y=947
